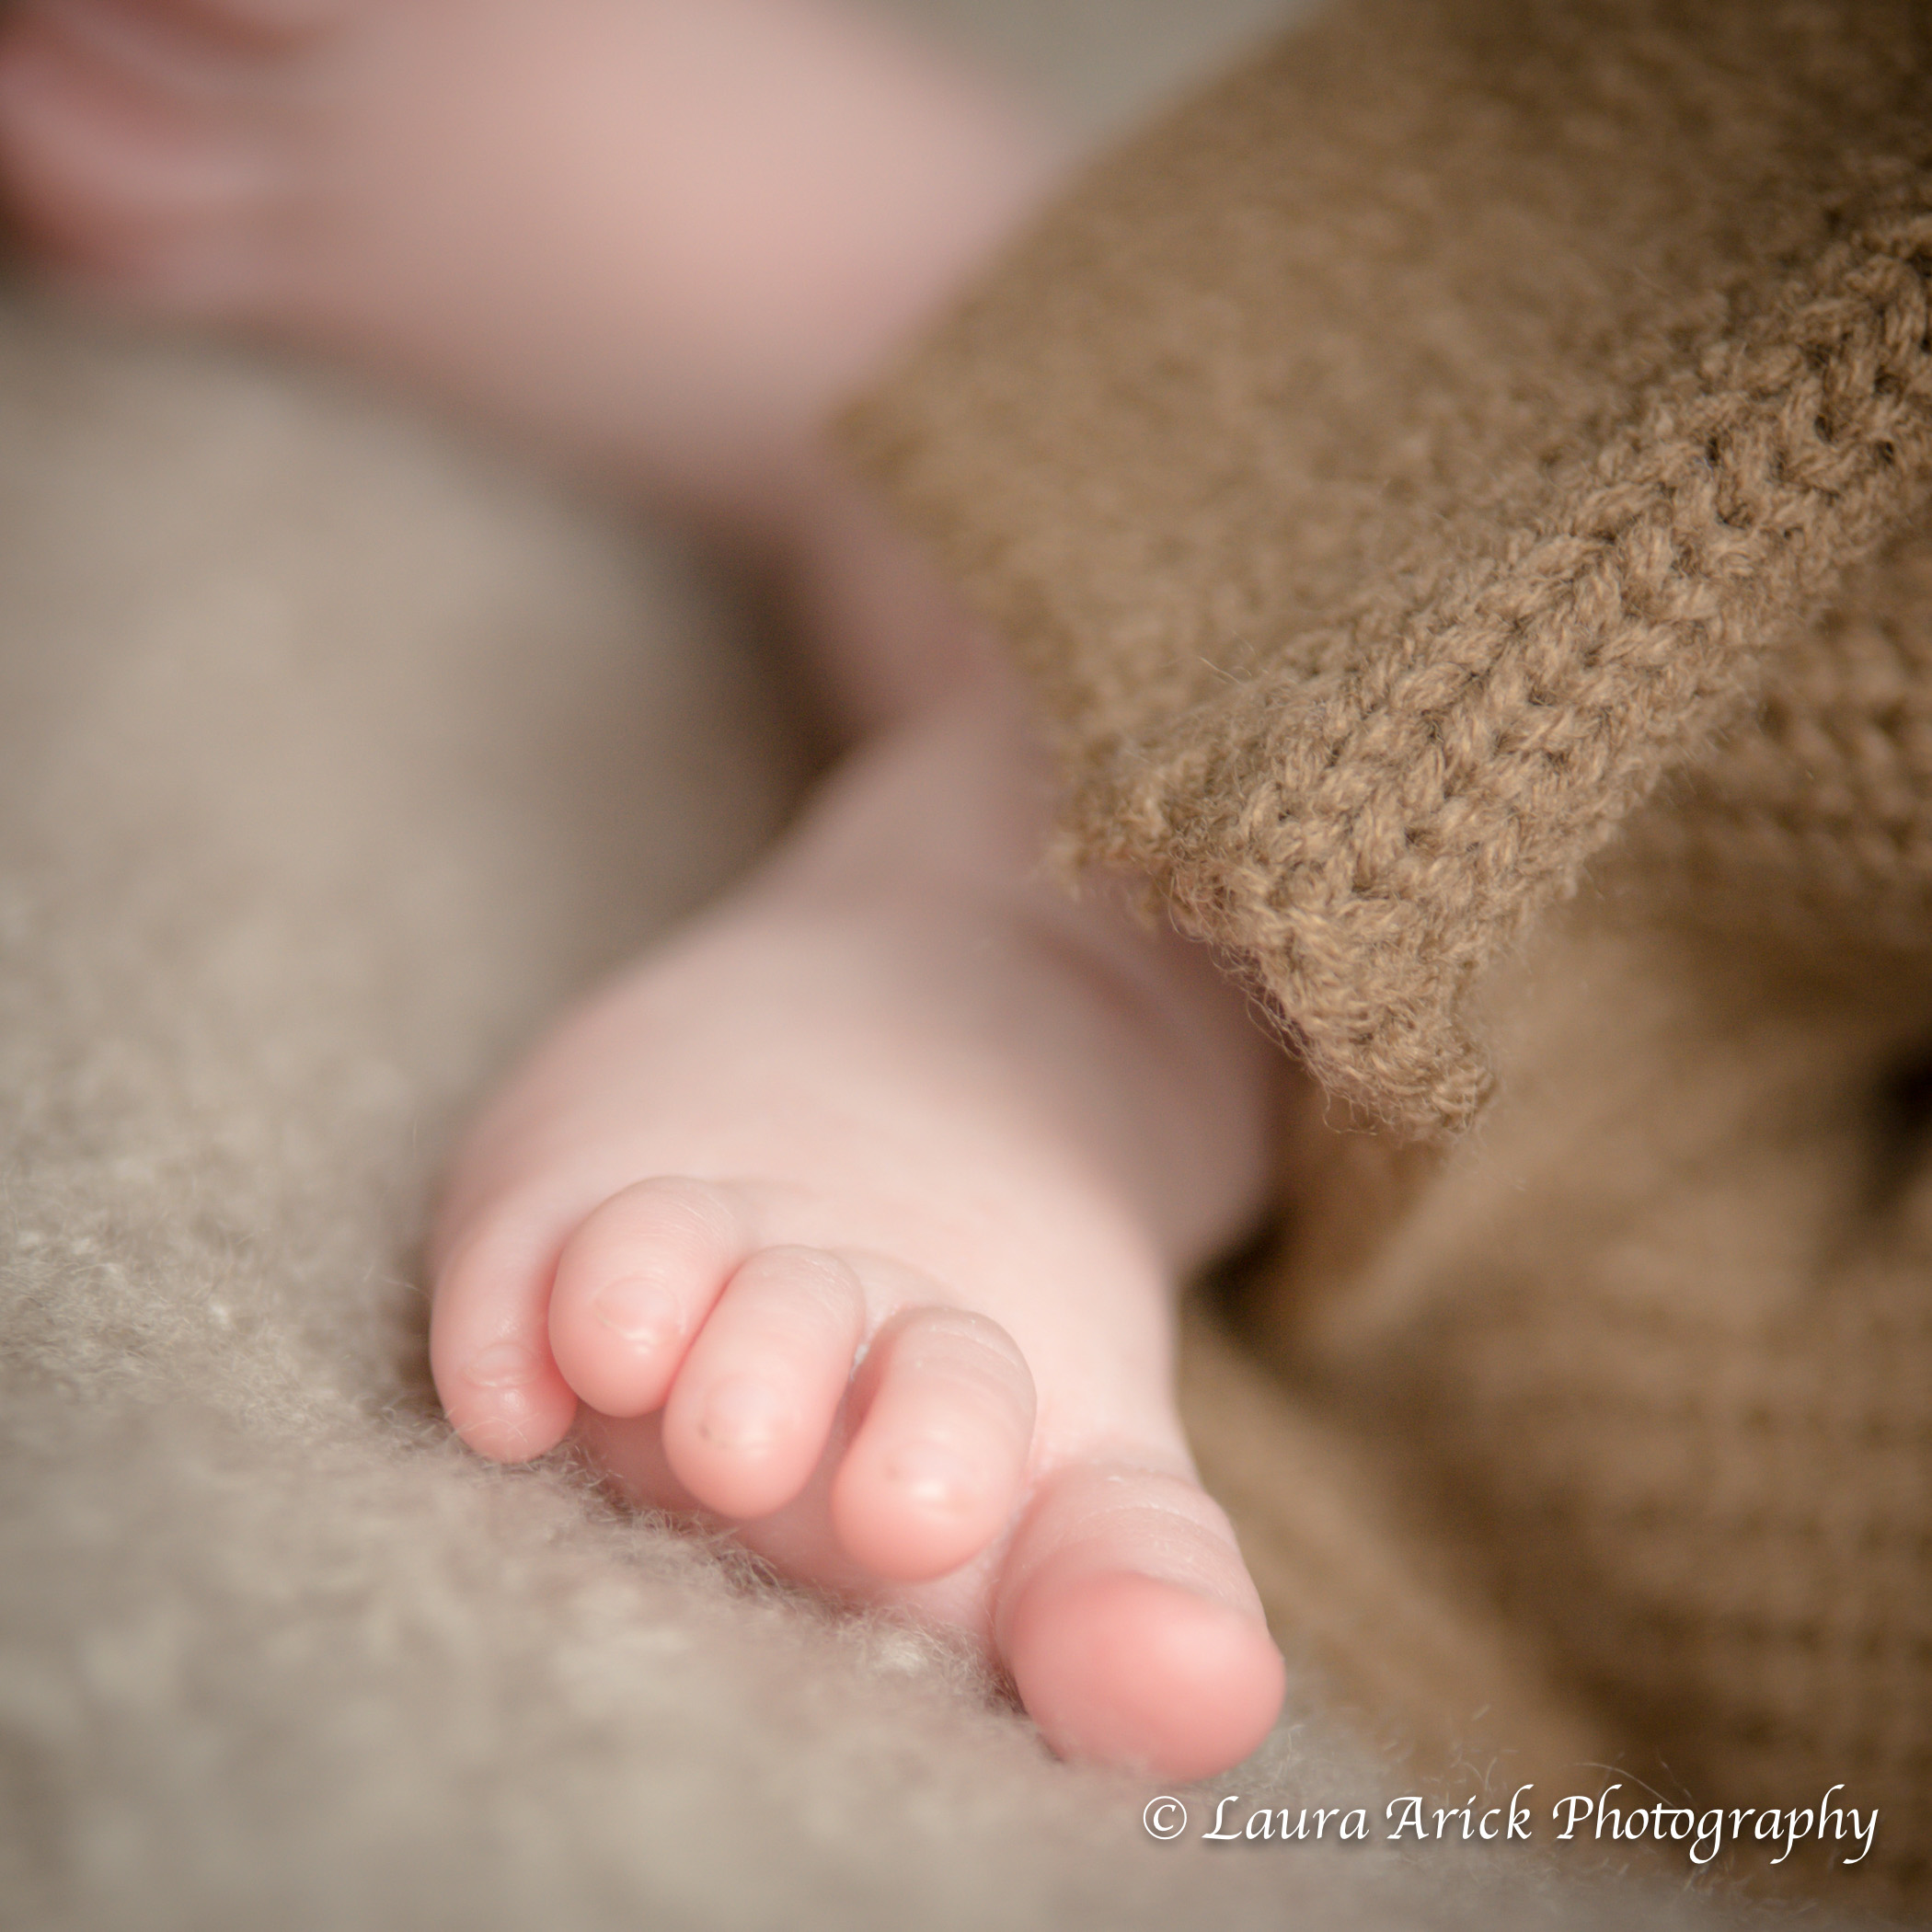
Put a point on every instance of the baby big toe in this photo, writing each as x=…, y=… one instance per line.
x=1131, y=1629
x=634, y=1285
x=748, y=1418
x=944, y=1408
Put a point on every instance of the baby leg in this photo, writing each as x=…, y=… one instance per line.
x=851, y=1218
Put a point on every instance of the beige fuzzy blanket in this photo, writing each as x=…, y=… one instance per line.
x=335, y=753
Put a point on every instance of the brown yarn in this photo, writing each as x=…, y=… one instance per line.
x=1572, y=510
x=1477, y=458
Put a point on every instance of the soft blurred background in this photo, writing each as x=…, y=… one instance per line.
x=1100, y=62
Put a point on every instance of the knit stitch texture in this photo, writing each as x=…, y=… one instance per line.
x=1399, y=463
x=1461, y=489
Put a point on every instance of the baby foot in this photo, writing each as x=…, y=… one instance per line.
x=851, y=1220
x=662, y=235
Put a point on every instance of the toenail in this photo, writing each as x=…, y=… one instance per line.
x=505, y=1364
x=933, y=1474
x=642, y=1313
x=744, y=1413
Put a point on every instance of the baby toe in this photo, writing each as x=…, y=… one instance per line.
x=502, y=1394
x=943, y=1411
x=1131, y=1629
x=112, y=161
x=748, y=1418
x=635, y=1283
x=500, y=1385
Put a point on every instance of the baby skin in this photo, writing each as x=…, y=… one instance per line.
x=851, y=1218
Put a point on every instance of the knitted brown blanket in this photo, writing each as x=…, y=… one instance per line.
x=1482, y=451
x=1396, y=465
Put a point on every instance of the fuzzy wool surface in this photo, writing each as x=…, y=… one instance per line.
x=335, y=754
